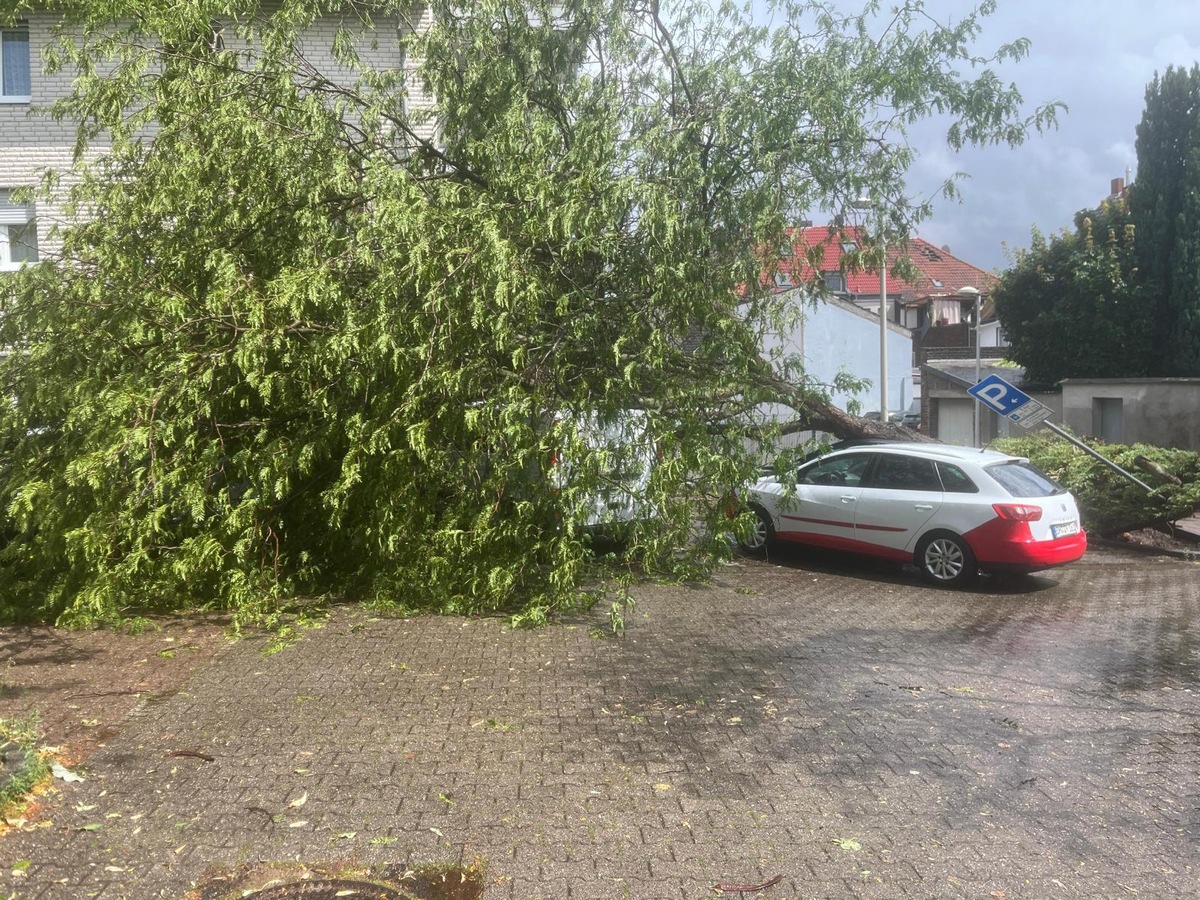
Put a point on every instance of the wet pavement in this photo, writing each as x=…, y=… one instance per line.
x=851, y=730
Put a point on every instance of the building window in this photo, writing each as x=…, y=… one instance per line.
x=14, y=66
x=18, y=234
x=836, y=282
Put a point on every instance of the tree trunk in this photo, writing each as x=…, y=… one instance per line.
x=1148, y=465
x=816, y=415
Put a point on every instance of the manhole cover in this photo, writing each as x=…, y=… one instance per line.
x=330, y=889
x=299, y=881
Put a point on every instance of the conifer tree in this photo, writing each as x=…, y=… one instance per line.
x=1165, y=207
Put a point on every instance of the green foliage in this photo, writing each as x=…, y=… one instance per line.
x=1109, y=503
x=1071, y=306
x=311, y=338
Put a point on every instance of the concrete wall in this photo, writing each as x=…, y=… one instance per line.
x=1164, y=412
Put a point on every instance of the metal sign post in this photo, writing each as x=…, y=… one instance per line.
x=1009, y=401
x=1108, y=462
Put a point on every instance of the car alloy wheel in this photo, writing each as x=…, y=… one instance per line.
x=762, y=532
x=946, y=559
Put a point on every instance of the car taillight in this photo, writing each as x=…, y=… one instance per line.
x=1018, y=512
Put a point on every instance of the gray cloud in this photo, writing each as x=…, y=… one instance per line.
x=1097, y=56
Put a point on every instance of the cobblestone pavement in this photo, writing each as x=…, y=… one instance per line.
x=853, y=731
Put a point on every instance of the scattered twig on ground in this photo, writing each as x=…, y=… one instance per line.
x=746, y=888
x=265, y=812
x=194, y=754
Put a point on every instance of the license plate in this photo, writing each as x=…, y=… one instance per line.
x=1063, y=529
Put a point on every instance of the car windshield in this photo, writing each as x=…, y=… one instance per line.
x=1021, y=479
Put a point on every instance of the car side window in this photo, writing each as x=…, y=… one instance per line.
x=845, y=470
x=905, y=473
x=955, y=480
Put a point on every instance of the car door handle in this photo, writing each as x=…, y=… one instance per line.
x=848, y=498
x=924, y=506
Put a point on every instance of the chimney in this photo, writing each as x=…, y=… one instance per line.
x=1117, y=187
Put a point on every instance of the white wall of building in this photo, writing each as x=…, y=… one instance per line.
x=992, y=335
x=835, y=336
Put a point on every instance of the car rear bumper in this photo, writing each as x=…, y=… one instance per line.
x=1030, y=555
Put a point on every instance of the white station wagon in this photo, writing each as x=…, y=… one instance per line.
x=950, y=511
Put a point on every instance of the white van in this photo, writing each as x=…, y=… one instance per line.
x=624, y=453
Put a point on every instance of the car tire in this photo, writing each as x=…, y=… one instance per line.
x=945, y=559
x=761, y=537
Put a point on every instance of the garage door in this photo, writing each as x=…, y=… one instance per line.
x=955, y=421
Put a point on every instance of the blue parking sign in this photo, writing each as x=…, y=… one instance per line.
x=997, y=394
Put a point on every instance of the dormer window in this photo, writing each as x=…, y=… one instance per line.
x=835, y=282
x=783, y=280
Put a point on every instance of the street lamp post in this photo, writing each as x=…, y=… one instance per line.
x=883, y=330
x=969, y=292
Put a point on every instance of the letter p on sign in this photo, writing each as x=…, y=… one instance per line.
x=997, y=394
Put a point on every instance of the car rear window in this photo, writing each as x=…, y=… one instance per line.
x=1021, y=479
x=955, y=480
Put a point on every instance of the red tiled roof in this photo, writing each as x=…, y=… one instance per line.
x=940, y=272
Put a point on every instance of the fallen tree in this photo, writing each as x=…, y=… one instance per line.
x=316, y=333
x=821, y=415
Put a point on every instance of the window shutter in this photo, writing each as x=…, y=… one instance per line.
x=12, y=213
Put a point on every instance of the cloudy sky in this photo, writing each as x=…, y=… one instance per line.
x=1097, y=56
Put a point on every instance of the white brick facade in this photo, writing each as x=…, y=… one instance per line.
x=31, y=142
x=17, y=127
x=22, y=167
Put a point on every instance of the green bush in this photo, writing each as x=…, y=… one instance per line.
x=1108, y=502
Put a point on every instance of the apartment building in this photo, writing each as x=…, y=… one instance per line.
x=32, y=142
x=28, y=143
